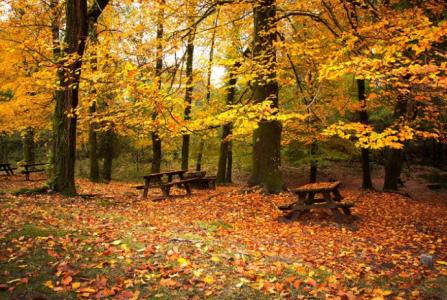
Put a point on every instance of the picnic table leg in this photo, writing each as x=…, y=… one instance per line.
x=337, y=195
x=187, y=188
x=335, y=211
x=146, y=188
x=166, y=191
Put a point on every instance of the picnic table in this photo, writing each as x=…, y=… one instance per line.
x=307, y=200
x=31, y=168
x=155, y=180
x=5, y=167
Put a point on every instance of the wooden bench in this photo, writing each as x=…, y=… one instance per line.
x=331, y=199
x=30, y=168
x=202, y=182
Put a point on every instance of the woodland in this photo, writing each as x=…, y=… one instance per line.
x=258, y=107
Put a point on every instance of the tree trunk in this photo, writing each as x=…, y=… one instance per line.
x=200, y=155
x=156, y=141
x=188, y=97
x=225, y=155
x=67, y=96
x=65, y=118
x=93, y=150
x=366, y=169
x=222, y=166
x=109, y=153
x=28, y=146
x=267, y=137
x=313, y=162
x=394, y=157
x=228, y=177
x=208, y=90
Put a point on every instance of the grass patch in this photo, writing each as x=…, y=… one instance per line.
x=213, y=225
x=32, y=231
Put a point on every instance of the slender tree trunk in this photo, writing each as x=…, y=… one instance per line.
x=156, y=141
x=228, y=177
x=267, y=137
x=225, y=159
x=222, y=166
x=188, y=97
x=394, y=157
x=208, y=90
x=366, y=169
x=313, y=162
x=93, y=149
x=28, y=146
x=109, y=153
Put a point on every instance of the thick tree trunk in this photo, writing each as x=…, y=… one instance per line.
x=65, y=118
x=229, y=177
x=366, y=169
x=67, y=96
x=156, y=141
x=393, y=168
x=394, y=157
x=267, y=137
x=188, y=97
x=28, y=146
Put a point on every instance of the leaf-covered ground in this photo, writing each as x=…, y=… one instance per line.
x=218, y=244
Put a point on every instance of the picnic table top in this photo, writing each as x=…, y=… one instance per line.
x=165, y=173
x=317, y=187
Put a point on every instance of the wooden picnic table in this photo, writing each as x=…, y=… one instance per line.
x=31, y=168
x=155, y=180
x=307, y=200
x=5, y=167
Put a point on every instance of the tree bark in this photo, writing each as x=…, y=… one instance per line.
x=28, y=146
x=93, y=149
x=67, y=96
x=156, y=141
x=394, y=157
x=266, y=157
x=363, y=114
x=188, y=97
x=65, y=119
x=108, y=153
x=313, y=162
x=224, y=166
x=208, y=91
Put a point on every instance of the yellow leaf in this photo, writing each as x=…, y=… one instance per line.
x=183, y=262
x=75, y=285
x=208, y=279
x=215, y=259
x=49, y=284
x=441, y=262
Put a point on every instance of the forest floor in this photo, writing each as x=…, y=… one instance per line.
x=218, y=244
